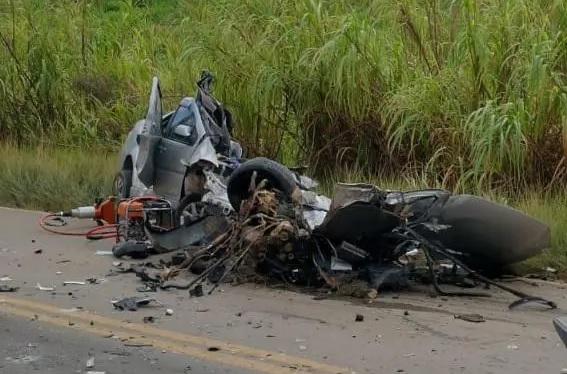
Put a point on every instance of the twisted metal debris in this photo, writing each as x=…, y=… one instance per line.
x=270, y=238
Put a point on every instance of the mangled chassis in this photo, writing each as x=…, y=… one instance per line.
x=367, y=234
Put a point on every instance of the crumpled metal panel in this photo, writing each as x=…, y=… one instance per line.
x=348, y=193
x=205, y=230
x=356, y=215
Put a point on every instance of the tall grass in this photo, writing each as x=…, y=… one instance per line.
x=470, y=95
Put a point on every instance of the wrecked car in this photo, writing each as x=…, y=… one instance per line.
x=229, y=211
x=167, y=153
x=187, y=155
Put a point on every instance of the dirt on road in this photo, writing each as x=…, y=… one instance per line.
x=264, y=330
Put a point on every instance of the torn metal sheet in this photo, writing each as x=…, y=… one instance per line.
x=356, y=216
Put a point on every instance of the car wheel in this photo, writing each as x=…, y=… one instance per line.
x=183, y=204
x=277, y=175
x=122, y=184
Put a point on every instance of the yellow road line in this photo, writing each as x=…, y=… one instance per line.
x=188, y=350
x=271, y=361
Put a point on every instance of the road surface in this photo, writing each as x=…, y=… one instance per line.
x=246, y=329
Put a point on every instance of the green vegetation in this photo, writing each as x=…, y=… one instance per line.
x=467, y=95
x=470, y=93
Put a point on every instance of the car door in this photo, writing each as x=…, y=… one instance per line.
x=150, y=137
x=173, y=148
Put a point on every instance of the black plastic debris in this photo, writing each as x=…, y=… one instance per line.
x=131, y=248
x=475, y=318
x=4, y=288
x=132, y=303
x=197, y=291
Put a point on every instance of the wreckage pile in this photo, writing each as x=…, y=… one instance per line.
x=363, y=246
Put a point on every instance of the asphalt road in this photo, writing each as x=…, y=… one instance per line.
x=246, y=329
x=32, y=347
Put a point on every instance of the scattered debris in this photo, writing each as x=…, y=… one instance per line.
x=41, y=288
x=149, y=319
x=93, y=280
x=4, y=288
x=71, y=310
x=513, y=346
x=95, y=372
x=74, y=282
x=476, y=318
x=302, y=348
x=103, y=253
x=197, y=291
x=169, y=312
x=132, y=303
x=6, y=279
x=118, y=353
x=202, y=310
x=90, y=363
x=138, y=345
x=269, y=239
x=359, y=318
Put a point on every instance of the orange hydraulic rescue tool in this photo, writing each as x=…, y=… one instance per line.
x=108, y=210
x=103, y=210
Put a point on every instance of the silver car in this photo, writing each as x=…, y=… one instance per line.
x=169, y=154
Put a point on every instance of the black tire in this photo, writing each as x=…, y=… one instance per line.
x=277, y=175
x=124, y=177
x=186, y=200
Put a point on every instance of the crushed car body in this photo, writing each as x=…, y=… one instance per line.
x=236, y=219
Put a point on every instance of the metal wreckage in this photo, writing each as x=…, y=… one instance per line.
x=243, y=220
x=225, y=219
x=363, y=241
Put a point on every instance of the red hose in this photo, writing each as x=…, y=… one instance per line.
x=108, y=230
